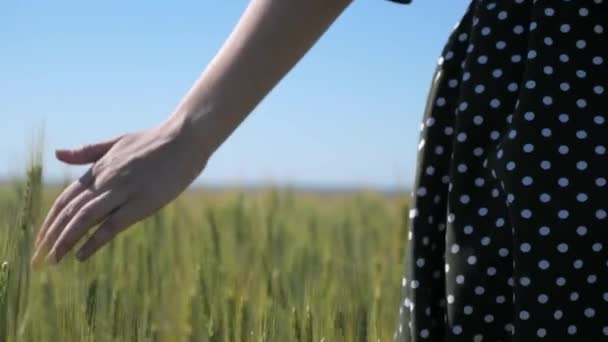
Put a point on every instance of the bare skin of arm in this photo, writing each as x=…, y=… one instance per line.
x=136, y=174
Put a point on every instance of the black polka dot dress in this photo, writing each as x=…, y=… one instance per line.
x=508, y=235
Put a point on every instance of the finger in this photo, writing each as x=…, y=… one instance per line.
x=64, y=198
x=59, y=223
x=89, y=215
x=119, y=221
x=85, y=154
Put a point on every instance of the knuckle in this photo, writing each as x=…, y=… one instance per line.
x=68, y=211
x=62, y=201
x=96, y=168
x=84, y=215
x=59, y=249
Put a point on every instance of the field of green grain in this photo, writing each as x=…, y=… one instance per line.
x=271, y=265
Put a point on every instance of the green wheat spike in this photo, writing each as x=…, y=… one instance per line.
x=91, y=304
x=295, y=323
x=362, y=324
x=4, y=277
x=245, y=320
x=308, y=325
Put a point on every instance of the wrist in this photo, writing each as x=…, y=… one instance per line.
x=194, y=131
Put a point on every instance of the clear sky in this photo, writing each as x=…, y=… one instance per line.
x=347, y=115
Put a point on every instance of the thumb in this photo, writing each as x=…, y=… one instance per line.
x=86, y=154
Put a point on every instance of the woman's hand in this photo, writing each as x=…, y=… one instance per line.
x=132, y=176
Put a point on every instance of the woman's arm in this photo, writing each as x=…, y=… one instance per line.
x=271, y=37
x=138, y=173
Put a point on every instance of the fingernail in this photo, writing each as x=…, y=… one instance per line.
x=35, y=256
x=50, y=259
x=36, y=262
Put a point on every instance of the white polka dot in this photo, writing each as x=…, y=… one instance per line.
x=581, y=73
x=472, y=260
x=541, y=332
x=457, y=329
x=581, y=103
x=529, y=116
x=544, y=231
x=543, y=264
x=581, y=165
x=581, y=44
x=468, y=230
x=598, y=89
x=599, y=29
x=581, y=134
x=545, y=164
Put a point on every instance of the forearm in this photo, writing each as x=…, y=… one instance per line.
x=269, y=39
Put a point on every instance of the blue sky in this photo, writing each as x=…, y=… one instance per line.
x=347, y=115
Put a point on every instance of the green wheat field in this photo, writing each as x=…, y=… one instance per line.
x=234, y=265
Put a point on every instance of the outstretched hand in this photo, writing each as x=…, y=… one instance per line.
x=132, y=176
